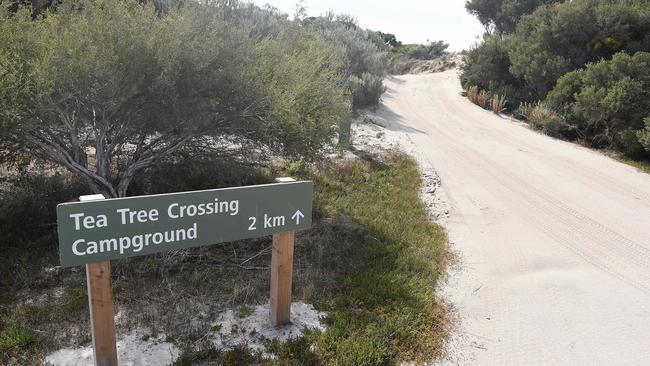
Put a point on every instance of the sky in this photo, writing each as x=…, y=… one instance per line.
x=412, y=21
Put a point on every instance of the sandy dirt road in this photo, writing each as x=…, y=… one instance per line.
x=554, y=238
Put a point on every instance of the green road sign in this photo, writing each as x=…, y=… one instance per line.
x=92, y=231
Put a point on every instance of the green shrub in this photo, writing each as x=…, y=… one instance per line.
x=429, y=51
x=547, y=120
x=30, y=199
x=367, y=61
x=502, y=16
x=644, y=135
x=487, y=66
x=607, y=102
x=28, y=221
x=524, y=56
x=204, y=70
x=366, y=90
x=559, y=38
x=361, y=50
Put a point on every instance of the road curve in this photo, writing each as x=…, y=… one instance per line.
x=554, y=238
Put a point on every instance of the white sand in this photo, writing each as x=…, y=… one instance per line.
x=554, y=238
x=229, y=331
x=131, y=351
x=255, y=330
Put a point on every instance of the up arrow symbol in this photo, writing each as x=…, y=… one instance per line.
x=297, y=216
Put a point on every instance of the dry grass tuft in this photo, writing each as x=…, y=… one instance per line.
x=472, y=94
x=483, y=99
x=498, y=104
x=526, y=109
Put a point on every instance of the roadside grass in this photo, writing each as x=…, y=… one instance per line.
x=372, y=260
x=641, y=165
x=386, y=310
x=21, y=346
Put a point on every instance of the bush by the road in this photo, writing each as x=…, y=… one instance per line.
x=582, y=59
x=554, y=40
x=488, y=67
x=429, y=51
x=134, y=85
x=566, y=36
x=606, y=102
x=367, y=89
x=644, y=135
x=365, y=54
x=502, y=16
x=546, y=119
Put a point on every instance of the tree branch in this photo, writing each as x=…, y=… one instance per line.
x=58, y=154
x=146, y=160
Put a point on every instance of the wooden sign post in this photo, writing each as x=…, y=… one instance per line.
x=96, y=230
x=102, y=322
x=100, y=303
x=281, y=272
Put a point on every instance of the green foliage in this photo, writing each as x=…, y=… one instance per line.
x=543, y=58
x=405, y=49
x=607, y=102
x=547, y=120
x=429, y=51
x=244, y=312
x=16, y=338
x=301, y=77
x=556, y=38
x=109, y=74
x=366, y=90
x=366, y=59
x=389, y=39
x=27, y=217
x=644, y=135
x=363, y=55
x=502, y=16
x=487, y=66
x=150, y=74
x=566, y=36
